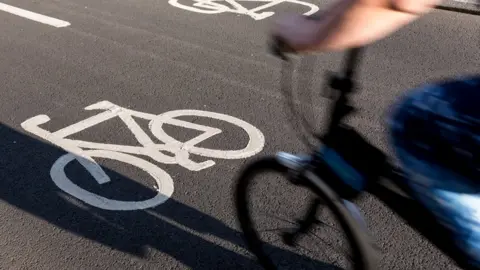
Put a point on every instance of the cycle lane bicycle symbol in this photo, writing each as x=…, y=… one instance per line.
x=222, y=6
x=85, y=151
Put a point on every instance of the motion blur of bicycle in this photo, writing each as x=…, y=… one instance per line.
x=435, y=130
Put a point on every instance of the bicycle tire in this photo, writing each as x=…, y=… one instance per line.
x=363, y=254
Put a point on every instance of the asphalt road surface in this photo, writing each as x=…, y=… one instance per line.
x=468, y=6
x=132, y=57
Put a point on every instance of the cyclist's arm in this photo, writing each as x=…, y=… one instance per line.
x=351, y=23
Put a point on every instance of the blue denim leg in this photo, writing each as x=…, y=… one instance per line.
x=427, y=123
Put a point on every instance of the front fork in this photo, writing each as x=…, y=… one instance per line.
x=296, y=164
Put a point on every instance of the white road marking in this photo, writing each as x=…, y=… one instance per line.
x=232, y=6
x=33, y=16
x=179, y=152
x=162, y=179
x=255, y=143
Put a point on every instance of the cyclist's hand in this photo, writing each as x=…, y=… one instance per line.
x=297, y=32
x=348, y=23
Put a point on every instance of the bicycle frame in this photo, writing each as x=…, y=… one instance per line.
x=414, y=213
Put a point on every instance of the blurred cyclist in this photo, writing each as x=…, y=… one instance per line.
x=435, y=129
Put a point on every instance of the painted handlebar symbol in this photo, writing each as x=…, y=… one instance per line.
x=179, y=152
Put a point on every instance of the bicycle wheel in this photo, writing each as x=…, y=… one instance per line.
x=362, y=253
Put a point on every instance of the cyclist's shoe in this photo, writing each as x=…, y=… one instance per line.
x=293, y=162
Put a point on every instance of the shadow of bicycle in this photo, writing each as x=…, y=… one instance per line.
x=193, y=238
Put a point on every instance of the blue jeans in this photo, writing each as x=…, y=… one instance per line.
x=435, y=130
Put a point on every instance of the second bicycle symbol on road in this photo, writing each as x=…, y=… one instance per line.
x=231, y=6
x=179, y=152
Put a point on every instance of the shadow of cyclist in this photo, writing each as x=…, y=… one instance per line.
x=195, y=239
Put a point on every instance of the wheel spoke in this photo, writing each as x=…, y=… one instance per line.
x=277, y=252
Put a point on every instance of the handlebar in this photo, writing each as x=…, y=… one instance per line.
x=278, y=47
x=343, y=82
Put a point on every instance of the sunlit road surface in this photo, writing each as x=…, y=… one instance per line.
x=154, y=57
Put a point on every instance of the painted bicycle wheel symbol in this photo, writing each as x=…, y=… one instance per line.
x=179, y=152
x=257, y=13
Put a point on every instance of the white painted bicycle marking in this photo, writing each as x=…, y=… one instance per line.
x=251, y=149
x=179, y=152
x=162, y=179
x=222, y=6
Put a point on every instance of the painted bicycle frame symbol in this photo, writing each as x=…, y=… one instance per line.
x=179, y=152
x=222, y=6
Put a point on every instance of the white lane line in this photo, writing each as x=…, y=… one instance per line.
x=33, y=16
